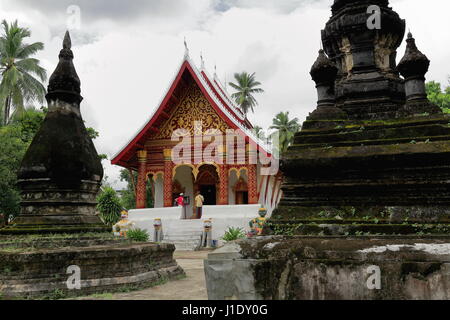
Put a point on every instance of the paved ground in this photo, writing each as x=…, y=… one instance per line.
x=191, y=288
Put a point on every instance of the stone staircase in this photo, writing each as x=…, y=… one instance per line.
x=186, y=236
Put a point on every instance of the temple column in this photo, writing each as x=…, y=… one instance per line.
x=252, y=175
x=141, y=190
x=223, y=186
x=223, y=178
x=252, y=184
x=168, y=180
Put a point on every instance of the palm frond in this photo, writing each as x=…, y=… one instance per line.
x=18, y=70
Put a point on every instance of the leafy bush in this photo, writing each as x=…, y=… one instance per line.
x=109, y=206
x=138, y=235
x=12, y=149
x=233, y=234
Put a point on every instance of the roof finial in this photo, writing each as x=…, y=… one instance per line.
x=410, y=36
x=67, y=43
x=186, y=52
x=202, y=60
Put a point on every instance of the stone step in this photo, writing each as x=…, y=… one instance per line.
x=181, y=235
x=185, y=245
x=182, y=239
x=176, y=239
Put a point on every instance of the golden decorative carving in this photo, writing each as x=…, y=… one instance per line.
x=209, y=164
x=193, y=108
x=238, y=171
x=195, y=170
x=155, y=175
x=167, y=154
x=142, y=156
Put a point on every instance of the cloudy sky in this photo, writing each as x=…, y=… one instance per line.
x=127, y=51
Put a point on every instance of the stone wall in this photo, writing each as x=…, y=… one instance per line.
x=330, y=268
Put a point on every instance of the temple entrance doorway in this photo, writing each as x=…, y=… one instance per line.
x=209, y=192
x=208, y=183
x=241, y=197
x=241, y=192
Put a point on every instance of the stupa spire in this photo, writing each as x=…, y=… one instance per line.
x=413, y=67
x=64, y=83
x=324, y=72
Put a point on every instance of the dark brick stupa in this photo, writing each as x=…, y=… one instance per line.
x=58, y=228
x=367, y=181
x=61, y=173
x=374, y=157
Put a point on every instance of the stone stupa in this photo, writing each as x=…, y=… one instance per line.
x=58, y=230
x=366, y=187
x=61, y=173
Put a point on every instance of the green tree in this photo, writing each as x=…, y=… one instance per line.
x=128, y=196
x=14, y=141
x=246, y=87
x=18, y=70
x=29, y=121
x=110, y=206
x=259, y=132
x=286, y=129
x=439, y=97
x=13, y=147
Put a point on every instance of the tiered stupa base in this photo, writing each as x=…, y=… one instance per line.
x=379, y=177
x=50, y=209
x=32, y=267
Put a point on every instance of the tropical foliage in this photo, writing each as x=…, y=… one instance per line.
x=14, y=141
x=259, y=132
x=109, y=206
x=438, y=96
x=128, y=196
x=233, y=234
x=21, y=75
x=138, y=235
x=246, y=87
x=286, y=129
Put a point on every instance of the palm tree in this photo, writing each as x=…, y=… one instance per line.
x=286, y=129
x=259, y=132
x=18, y=70
x=245, y=88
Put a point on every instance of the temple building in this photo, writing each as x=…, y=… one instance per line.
x=221, y=156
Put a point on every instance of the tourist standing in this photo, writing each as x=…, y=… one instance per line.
x=180, y=203
x=199, y=200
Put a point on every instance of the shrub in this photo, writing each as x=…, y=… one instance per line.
x=109, y=206
x=233, y=234
x=138, y=235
